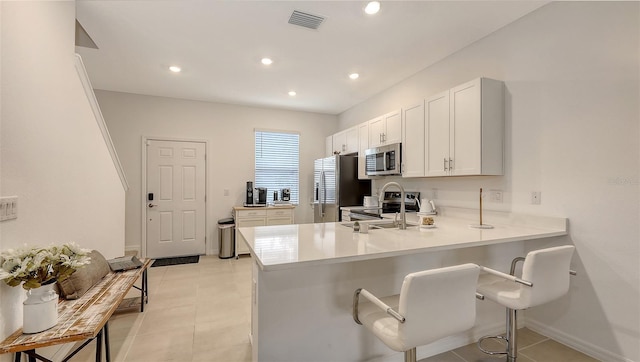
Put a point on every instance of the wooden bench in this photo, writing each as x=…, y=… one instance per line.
x=85, y=318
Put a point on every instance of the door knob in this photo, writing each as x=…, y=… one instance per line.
x=152, y=205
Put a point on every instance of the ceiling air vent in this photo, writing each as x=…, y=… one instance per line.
x=306, y=20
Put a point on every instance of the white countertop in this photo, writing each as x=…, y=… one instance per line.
x=289, y=246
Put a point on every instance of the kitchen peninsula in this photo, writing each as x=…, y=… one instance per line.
x=304, y=277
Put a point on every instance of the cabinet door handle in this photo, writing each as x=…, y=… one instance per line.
x=444, y=163
x=450, y=164
x=380, y=137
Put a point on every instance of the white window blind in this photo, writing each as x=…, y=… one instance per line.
x=277, y=161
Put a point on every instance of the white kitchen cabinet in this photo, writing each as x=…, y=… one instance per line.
x=280, y=216
x=436, y=135
x=385, y=129
x=363, y=144
x=352, y=140
x=249, y=217
x=464, y=131
x=345, y=142
x=328, y=146
x=339, y=142
x=413, y=141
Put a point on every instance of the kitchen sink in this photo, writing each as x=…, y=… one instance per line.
x=388, y=225
x=379, y=225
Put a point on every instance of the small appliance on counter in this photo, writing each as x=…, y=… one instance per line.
x=427, y=207
x=285, y=194
x=285, y=197
x=249, y=194
x=262, y=196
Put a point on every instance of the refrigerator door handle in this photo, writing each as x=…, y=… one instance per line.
x=324, y=194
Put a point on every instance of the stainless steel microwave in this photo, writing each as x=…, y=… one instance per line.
x=383, y=160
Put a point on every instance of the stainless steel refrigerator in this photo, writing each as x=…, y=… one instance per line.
x=336, y=184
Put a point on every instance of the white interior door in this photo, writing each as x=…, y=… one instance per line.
x=176, y=215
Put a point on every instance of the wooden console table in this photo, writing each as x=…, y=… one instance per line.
x=85, y=318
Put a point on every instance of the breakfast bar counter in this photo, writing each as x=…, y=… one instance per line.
x=304, y=276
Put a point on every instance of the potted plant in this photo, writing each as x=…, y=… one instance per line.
x=38, y=269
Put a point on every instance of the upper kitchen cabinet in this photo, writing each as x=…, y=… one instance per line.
x=363, y=144
x=386, y=129
x=328, y=146
x=413, y=142
x=436, y=135
x=339, y=142
x=344, y=142
x=464, y=130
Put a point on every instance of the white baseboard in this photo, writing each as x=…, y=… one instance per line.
x=132, y=248
x=585, y=347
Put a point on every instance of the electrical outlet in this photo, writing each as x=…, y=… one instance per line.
x=536, y=198
x=226, y=192
x=434, y=193
x=495, y=196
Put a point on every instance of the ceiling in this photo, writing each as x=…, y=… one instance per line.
x=219, y=44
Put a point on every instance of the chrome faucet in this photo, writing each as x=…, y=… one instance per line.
x=403, y=219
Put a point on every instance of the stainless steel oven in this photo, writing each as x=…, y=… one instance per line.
x=383, y=160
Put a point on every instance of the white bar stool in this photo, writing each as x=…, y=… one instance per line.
x=545, y=277
x=432, y=304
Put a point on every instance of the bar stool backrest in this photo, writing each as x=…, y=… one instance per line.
x=548, y=270
x=437, y=303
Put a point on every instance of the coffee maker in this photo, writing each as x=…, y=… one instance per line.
x=262, y=195
x=285, y=195
x=249, y=199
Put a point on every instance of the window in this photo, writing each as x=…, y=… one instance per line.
x=277, y=160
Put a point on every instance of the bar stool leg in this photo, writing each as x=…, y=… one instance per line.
x=410, y=355
x=512, y=341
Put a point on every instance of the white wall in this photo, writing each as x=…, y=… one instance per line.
x=571, y=72
x=53, y=156
x=230, y=162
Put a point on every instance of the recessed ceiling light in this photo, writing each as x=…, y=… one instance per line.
x=175, y=69
x=266, y=61
x=372, y=7
x=354, y=76
x=292, y=93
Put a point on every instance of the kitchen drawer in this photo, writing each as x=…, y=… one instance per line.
x=279, y=221
x=249, y=222
x=252, y=213
x=280, y=213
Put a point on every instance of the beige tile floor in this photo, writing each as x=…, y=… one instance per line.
x=200, y=312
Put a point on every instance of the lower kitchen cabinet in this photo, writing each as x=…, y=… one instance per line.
x=252, y=216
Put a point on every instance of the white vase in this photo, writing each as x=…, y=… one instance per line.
x=40, y=309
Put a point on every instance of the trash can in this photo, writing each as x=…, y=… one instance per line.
x=226, y=238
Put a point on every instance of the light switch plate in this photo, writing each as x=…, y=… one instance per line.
x=8, y=208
